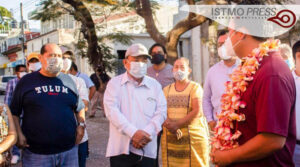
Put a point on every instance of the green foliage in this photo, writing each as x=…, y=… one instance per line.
x=98, y=8
x=5, y=17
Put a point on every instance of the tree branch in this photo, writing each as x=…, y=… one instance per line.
x=143, y=9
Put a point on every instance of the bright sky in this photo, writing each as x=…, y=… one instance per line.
x=30, y=5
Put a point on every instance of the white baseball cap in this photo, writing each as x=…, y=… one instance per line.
x=137, y=50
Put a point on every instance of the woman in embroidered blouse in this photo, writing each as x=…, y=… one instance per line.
x=8, y=134
x=185, y=133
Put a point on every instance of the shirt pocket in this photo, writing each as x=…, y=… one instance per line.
x=150, y=107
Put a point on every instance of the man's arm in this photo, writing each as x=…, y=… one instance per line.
x=256, y=148
x=113, y=113
x=80, y=116
x=22, y=142
x=207, y=104
x=92, y=92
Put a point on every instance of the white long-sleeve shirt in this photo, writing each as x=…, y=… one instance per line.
x=130, y=107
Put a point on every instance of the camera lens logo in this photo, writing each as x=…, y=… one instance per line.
x=285, y=18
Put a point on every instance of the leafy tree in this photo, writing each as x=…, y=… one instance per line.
x=90, y=45
x=5, y=16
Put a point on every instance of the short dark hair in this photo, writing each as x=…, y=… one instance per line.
x=296, y=48
x=74, y=67
x=155, y=45
x=43, y=49
x=18, y=67
x=70, y=53
x=222, y=32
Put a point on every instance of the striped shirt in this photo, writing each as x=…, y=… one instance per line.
x=10, y=87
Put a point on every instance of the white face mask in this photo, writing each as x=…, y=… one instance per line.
x=66, y=64
x=138, y=69
x=35, y=66
x=228, y=50
x=180, y=75
x=223, y=54
x=54, y=65
x=22, y=74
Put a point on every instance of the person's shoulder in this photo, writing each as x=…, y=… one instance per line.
x=152, y=81
x=169, y=66
x=116, y=79
x=195, y=84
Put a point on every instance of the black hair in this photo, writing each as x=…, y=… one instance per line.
x=155, y=45
x=74, y=67
x=18, y=67
x=296, y=48
x=43, y=49
x=222, y=32
x=70, y=53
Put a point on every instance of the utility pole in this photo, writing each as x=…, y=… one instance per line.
x=22, y=30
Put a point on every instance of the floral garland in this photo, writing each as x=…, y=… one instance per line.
x=226, y=134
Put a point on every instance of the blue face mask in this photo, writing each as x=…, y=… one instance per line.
x=289, y=63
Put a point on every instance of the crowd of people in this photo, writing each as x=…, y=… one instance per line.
x=157, y=108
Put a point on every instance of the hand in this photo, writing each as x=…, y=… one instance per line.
x=79, y=134
x=140, y=139
x=22, y=141
x=212, y=125
x=171, y=125
x=220, y=158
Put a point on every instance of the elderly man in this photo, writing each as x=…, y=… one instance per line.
x=136, y=108
x=49, y=100
x=216, y=78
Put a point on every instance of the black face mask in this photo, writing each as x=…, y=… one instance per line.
x=157, y=59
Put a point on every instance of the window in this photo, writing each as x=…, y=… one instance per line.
x=48, y=40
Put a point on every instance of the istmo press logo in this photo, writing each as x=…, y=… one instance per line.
x=258, y=20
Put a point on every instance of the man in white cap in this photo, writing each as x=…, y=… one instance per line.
x=136, y=108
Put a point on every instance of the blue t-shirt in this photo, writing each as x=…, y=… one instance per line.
x=48, y=103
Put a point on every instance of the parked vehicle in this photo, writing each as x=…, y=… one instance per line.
x=3, y=82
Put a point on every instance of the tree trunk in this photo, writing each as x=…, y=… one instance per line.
x=173, y=36
x=88, y=29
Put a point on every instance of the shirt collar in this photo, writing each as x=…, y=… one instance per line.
x=127, y=78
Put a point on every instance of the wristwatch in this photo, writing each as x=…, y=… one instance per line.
x=81, y=124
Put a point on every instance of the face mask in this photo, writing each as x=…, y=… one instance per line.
x=54, y=65
x=35, y=66
x=228, y=48
x=180, y=75
x=290, y=63
x=66, y=64
x=22, y=74
x=138, y=69
x=222, y=53
x=157, y=59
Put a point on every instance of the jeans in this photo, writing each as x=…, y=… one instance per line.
x=64, y=159
x=16, y=151
x=82, y=153
x=131, y=160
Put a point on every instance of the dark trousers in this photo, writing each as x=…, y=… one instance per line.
x=82, y=153
x=158, y=144
x=131, y=160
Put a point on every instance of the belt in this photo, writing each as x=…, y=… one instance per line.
x=298, y=142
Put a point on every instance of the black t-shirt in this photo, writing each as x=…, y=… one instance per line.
x=49, y=123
